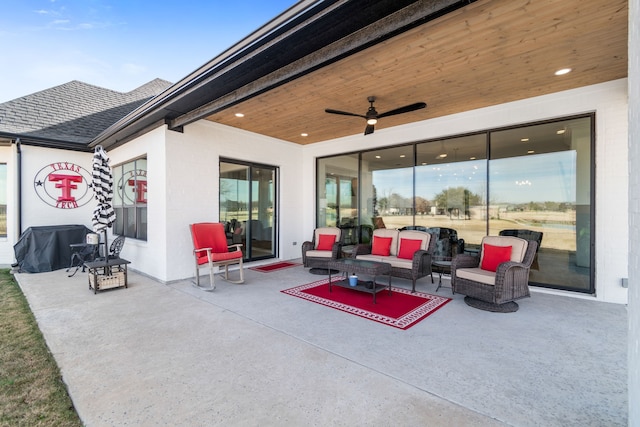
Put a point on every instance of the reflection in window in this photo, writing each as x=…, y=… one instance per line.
x=451, y=187
x=247, y=207
x=130, y=199
x=337, y=189
x=540, y=181
x=531, y=181
x=387, y=187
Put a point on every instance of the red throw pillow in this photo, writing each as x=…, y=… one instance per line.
x=325, y=242
x=493, y=256
x=381, y=246
x=408, y=247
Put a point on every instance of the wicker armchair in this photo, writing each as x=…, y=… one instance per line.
x=317, y=257
x=494, y=290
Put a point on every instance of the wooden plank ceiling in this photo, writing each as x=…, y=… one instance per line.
x=487, y=53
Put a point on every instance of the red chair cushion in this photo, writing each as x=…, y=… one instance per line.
x=226, y=256
x=325, y=242
x=408, y=247
x=381, y=246
x=493, y=256
x=211, y=235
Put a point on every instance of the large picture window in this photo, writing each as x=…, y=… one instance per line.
x=533, y=181
x=130, y=199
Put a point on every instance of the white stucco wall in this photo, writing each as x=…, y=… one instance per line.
x=633, y=361
x=7, y=156
x=187, y=165
x=35, y=211
x=608, y=100
x=150, y=256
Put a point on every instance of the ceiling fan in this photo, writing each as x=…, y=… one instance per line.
x=372, y=115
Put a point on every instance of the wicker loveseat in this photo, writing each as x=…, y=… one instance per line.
x=413, y=268
x=494, y=286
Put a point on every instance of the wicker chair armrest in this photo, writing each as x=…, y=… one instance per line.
x=512, y=281
x=360, y=249
x=504, y=269
x=465, y=261
x=307, y=246
x=421, y=258
x=336, y=250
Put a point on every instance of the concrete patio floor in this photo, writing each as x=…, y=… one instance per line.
x=249, y=355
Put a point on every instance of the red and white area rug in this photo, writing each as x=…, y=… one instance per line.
x=275, y=266
x=402, y=309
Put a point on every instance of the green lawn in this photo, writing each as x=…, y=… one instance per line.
x=32, y=392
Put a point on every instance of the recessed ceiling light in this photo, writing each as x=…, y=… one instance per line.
x=562, y=71
x=524, y=139
x=402, y=156
x=530, y=152
x=443, y=155
x=239, y=115
x=304, y=134
x=561, y=131
x=377, y=157
x=472, y=158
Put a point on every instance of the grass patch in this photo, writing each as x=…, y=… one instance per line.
x=32, y=392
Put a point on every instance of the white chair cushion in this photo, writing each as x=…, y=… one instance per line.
x=394, y=261
x=518, y=246
x=388, y=232
x=369, y=257
x=319, y=254
x=477, y=275
x=415, y=235
x=325, y=230
x=400, y=263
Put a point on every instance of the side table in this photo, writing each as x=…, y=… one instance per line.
x=441, y=267
x=107, y=274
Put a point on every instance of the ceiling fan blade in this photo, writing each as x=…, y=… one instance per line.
x=368, y=129
x=405, y=109
x=344, y=113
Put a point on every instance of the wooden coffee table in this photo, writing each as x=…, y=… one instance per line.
x=357, y=266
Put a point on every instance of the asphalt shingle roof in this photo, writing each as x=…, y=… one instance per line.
x=73, y=112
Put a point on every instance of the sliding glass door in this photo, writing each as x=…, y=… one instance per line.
x=248, y=207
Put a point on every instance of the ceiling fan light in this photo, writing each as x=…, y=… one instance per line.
x=372, y=121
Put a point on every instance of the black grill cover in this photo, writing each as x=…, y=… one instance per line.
x=47, y=248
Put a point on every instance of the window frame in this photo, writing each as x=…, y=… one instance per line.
x=132, y=217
